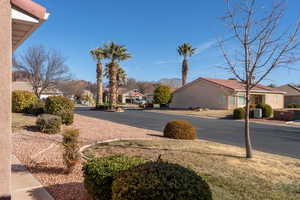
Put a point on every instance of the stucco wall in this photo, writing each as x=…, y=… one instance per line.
x=275, y=100
x=5, y=98
x=200, y=94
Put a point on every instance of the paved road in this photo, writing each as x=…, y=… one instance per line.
x=268, y=138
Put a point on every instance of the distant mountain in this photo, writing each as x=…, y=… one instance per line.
x=171, y=82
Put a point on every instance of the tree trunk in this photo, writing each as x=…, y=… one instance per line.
x=247, y=128
x=113, y=85
x=99, y=95
x=184, y=71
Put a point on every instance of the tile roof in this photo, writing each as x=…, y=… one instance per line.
x=235, y=85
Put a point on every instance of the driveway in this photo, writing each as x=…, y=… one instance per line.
x=267, y=138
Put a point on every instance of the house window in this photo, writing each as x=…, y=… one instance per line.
x=277, y=100
x=231, y=100
x=241, y=100
x=222, y=100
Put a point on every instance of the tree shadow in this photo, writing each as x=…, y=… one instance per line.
x=65, y=191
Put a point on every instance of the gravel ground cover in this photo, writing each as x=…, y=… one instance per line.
x=42, y=153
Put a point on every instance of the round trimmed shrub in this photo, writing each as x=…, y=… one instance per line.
x=22, y=101
x=239, y=113
x=99, y=174
x=61, y=106
x=180, y=129
x=160, y=180
x=49, y=123
x=267, y=110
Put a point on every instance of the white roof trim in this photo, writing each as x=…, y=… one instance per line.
x=21, y=16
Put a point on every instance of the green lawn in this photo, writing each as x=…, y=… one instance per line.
x=229, y=175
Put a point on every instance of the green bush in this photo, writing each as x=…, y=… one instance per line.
x=61, y=106
x=239, y=113
x=160, y=180
x=267, y=110
x=180, y=129
x=104, y=106
x=99, y=174
x=293, y=106
x=49, y=123
x=37, y=108
x=22, y=101
x=162, y=95
x=71, y=148
x=67, y=118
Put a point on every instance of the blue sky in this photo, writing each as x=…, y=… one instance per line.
x=151, y=30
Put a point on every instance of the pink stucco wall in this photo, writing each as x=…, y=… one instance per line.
x=5, y=97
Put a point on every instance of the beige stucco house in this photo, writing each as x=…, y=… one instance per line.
x=18, y=19
x=26, y=86
x=292, y=95
x=223, y=94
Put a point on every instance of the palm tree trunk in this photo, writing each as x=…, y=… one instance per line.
x=99, y=95
x=247, y=127
x=184, y=71
x=113, y=85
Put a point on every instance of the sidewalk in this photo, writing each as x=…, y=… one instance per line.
x=24, y=185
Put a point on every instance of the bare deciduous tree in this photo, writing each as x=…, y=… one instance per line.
x=44, y=68
x=262, y=47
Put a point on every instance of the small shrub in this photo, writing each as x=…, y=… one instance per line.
x=160, y=180
x=293, y=106
x=67, y=118
x=37, y=108
x=71, y=148
x=239, y=113
x=49, y=123
x=104, y=106
x=61, y=106
x=267, y=110
x=99, y=174
x=22, y=101
x=180, y=129
x=162, y=95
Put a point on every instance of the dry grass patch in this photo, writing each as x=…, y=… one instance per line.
x=230, y=176
x=21, y=121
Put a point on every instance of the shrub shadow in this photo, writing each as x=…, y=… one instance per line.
x=32, y=128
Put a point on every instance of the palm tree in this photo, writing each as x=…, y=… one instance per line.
x=98, y=55
x=121, y=76
x=115, y=53
x=186, y=51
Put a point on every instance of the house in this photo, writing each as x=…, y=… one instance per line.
x=26, y=86
x=19, y=19
x=292, y=95
x=129, y=96
x=223, y=94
